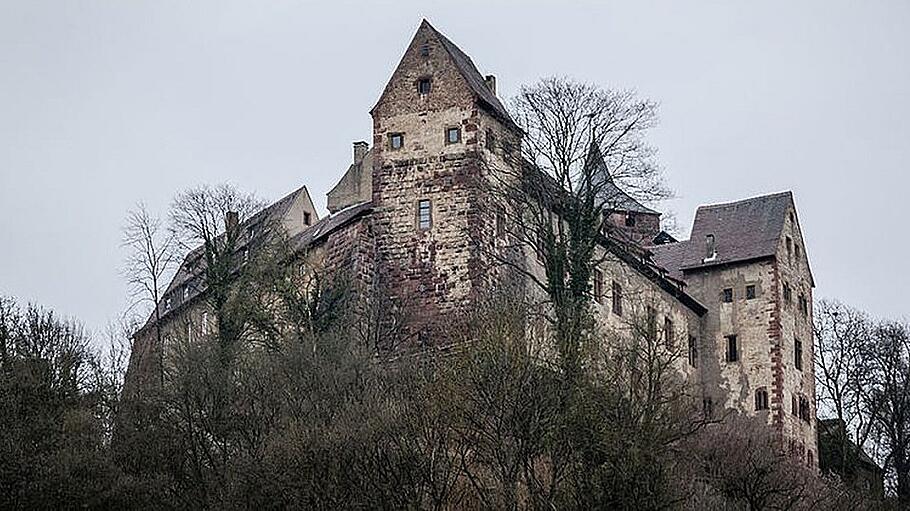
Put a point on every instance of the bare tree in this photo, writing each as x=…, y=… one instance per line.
x=151, y=258
x=555, y=193
x=843, y=378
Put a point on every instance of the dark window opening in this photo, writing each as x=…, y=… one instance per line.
x=693, y=351
x=789, y=248
x=750, y=292
x=652, y=324
x=617, y=298
x=669, y=334
x=794, y=407
x=424, y=215
x=804, y=410
x=803, y=305
x=598, y=286
x=630, y=220
x=396, y=141
x=425, y=50
x=710, y=248
x=796, y=250
x=732, y=349
x=708, y=407
x=491, y=140
x=788, y=294
x=453, y=135
x=728, y=295
x=307, y=219
x=798, y=354
x=500, y=222
x=761, y=399
x=423, y=86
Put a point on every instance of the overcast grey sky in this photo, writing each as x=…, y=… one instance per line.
x=105, y=103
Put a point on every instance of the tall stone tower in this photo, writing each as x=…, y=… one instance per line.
x=436, y=126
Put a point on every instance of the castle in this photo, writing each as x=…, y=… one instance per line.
x=409, y=210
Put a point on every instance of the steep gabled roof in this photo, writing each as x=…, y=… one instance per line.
x=475, y=82
x=472, y=75
x=743, y=230
x=613, y=196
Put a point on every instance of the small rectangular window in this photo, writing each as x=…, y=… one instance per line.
x=423, y=86
x=750, y=292
x=453, y=135
x=396, y=141
x=424, y=215
x=794, y=407
x=693, y=351
x=788, y=294
x=728, y=295
x=307, y=219
x=669, y=334
x=789, y=248
x=617, y=299
x=798, y=354
x=732, y=349
x=630, y=220
x=796, y=250
x=598, y=286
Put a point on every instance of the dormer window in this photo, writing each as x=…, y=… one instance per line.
x=396, y=141
x=453, y=135
x=423, y=86
x=710, y=248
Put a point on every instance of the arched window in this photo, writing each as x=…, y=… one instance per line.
x=761, y=399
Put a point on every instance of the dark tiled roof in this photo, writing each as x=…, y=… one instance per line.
x=743, y=230
x=613, y=196
x=670, y=257
x=328, y=225
x=471, y=75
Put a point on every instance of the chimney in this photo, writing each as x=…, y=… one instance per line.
x=490, y=80
x=360, y=150
x=231, y=223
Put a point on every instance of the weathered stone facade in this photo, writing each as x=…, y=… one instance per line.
x=414, y=211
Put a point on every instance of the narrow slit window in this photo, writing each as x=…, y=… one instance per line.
x=652, y=324
x=732, y=349
x=693, y=351
x=798, y=354
x=307, y=218
x=669, y=333
x=424, y=215
x=598, y=286
x=617, y=298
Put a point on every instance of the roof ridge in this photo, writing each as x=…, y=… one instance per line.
x=748, y=199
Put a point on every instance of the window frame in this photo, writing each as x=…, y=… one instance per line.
x=420, y=85
x=798, y=354
x=731, y=354
x=693, y=351
x=421, y=226
x=598, y=286
x=727, y=295
x=761, y=399
x=751, y=292
x=457, y=131
x=392, y=137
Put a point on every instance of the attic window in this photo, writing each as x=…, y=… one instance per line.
x=423, y=86
x=630, y=220
x=396, y=141
x=425, y=49
x=710, y=248
x=307, y=220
